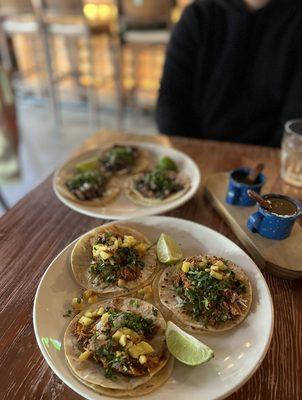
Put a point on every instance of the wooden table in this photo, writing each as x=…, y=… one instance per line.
x=39, y=227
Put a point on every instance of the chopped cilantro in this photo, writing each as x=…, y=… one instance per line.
x=154, y=311
x=109, y=374
x=107, y=354
x=119, y=157
x=134, y=303
x=68, y=313
x=93, y=178
x=206, y=297
x=132, y=321
x=124, y=262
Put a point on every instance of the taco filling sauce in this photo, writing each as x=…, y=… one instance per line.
x=209, y=291
x=118, y=340
x=117, y=259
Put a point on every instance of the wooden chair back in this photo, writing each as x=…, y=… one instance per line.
x=15, y=7
x=145, y=12
x=60, y=7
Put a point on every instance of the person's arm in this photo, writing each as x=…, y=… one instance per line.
x=174, y=106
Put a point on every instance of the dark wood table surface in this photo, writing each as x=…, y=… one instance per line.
x=34, y=231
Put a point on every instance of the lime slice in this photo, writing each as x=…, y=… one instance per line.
x=167, y=163
x=168, y=251
x=87, y=165
x=185, y=347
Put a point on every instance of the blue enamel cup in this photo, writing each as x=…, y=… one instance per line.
x=270, y=225
x=237, y=191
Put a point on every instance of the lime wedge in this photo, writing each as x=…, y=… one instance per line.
x=167, y=163
x=185, y=347
x=168, y=251
x=87, y=165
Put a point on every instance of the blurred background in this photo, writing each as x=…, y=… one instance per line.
x=70, y=68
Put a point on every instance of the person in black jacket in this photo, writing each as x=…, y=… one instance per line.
x=233, y=71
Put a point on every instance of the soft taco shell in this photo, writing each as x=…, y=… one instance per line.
x=154, y=383
x=81, y=258
x=165, y=300
x=93, y=373
x=136, y=197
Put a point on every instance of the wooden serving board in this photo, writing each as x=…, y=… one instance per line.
x=280, y=257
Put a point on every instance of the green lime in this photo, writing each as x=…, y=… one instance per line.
x=87, y=165
x=167, y=163
x=185, y=347
x=168, y=251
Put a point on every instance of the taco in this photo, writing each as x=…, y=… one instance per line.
x=122, y=159
x=114, y=260
x=156, y=186
x=155, y=382
x=92, y=187
x=117, y=346
x=204, y=293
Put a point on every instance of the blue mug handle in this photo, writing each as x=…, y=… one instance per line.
x=254, y=221
x=299, y=203
x=233, y=195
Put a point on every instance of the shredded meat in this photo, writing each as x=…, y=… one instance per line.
x=152, y=362
x=82, y=335
x=193, y=259
x=136, y=370
x=234, y=309
x=88, y=192
x=185, y=280
x=130, y=274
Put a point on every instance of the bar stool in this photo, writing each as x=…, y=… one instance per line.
x=18, y=17
x=65, y=19
x=9, y=136
x=142, y=24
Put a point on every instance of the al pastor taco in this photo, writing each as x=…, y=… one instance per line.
x=155, y=382
x=114, y=260
x=118, y=345
x=156, y=186
x=204, y=293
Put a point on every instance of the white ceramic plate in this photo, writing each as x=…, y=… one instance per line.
x=238, y=353
x=121, y=207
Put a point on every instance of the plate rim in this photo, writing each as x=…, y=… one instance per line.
x=141, y=220
x=148, y=210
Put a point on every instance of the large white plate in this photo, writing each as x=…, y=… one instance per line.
x=238, y=353
x=121, y=207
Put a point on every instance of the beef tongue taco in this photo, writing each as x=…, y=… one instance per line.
x=205, y=293
x=117, y=344
x=92, y=187
x=88, y=185
x=114, y=259
x=123, y=159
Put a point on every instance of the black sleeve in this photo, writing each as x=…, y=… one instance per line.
x=292, y=107
x=174, y=106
